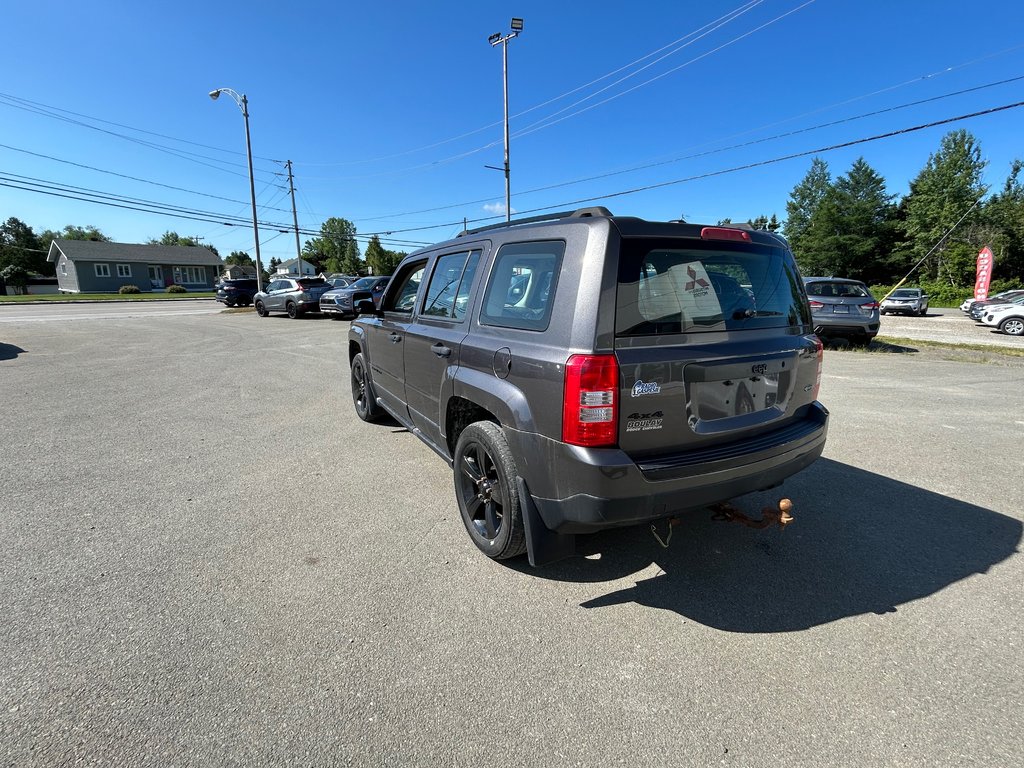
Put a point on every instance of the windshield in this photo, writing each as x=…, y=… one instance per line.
x=906, y=293
x=666, y=288
x=364, y=282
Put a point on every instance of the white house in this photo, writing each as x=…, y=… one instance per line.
x=292, y=268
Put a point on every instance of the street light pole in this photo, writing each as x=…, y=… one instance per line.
x=496, y=39
x=243, y=104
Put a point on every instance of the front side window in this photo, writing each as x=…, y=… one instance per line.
x=124, y=270
x=102, y=270
x=522, y=285
x=448, y=291
x=670, y=287
x=401, y=295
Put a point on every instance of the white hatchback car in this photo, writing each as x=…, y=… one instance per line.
x=1008, y=318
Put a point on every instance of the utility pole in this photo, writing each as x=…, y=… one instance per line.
x=295, y=218
x=497, y=39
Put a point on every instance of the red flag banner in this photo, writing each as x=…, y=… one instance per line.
x=984, y=277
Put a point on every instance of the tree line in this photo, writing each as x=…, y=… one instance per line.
x=851, y=226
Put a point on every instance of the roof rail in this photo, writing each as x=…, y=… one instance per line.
x=579, y=213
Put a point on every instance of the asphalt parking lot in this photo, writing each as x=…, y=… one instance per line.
x=209, y=560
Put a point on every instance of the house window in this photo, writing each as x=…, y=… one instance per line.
x=190, y=275
x=63, y=267
x=102, y=270
x=124, y=270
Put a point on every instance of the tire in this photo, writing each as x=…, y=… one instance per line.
x=1012, y=326
x=882, y=312
x=362, y=391
x=292, y=310
x=261, y=309
x=485, y=488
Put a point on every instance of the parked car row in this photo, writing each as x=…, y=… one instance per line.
x=295, y=296
x=1003, y=311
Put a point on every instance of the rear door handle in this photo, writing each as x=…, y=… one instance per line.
x=395, y=338
x=441, y=350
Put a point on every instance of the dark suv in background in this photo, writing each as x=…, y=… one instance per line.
x=588, y=371
x=236, y=293
x=843, y=308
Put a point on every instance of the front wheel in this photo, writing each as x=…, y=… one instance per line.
x=485, y=488
x=1012, y=326
x=362, y=391
x=261, y=309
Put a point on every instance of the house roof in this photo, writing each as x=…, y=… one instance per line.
x=91, y=250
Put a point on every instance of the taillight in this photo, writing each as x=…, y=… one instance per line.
x=591, y=403
x=820, y=354
x=816, y=304
x=724, y=233
x=869, y=306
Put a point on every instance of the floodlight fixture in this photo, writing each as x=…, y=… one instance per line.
x=517, y=25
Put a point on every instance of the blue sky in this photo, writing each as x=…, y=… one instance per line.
x=391, y=111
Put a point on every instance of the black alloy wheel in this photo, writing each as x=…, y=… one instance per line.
x=261, y=309
x=292, y=310
x=362, y=394
x=485, y=489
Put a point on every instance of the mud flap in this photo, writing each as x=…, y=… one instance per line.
x=543, y=545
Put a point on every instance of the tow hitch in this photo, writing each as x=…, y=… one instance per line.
x=779, y=515
x=769, y=516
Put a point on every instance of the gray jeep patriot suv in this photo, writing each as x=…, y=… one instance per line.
x=582, y=371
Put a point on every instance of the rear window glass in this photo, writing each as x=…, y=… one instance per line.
x=839, y=290
x=311, y=282
x=522, y=285
x=669, y=286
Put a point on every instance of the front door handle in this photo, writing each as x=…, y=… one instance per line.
x=441, y=350
x=395, y=338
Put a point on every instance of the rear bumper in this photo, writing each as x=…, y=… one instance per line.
x=579, y=490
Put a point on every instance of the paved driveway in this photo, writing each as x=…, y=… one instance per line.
x=208, y=560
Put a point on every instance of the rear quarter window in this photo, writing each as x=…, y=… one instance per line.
x=687, y=286
x=521, y=286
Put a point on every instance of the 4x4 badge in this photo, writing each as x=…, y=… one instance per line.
x=648, y=388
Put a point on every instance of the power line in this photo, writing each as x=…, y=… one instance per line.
x=181, y=154
x=735, y=13
x=708, y=153
x=748, y=166
x=40, y=105
x=126, y=176
x=81, y=194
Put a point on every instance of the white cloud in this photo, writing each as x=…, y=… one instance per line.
x=496, y=208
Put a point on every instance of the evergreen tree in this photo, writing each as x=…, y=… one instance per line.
x=804, y=201
x=946, y=189
x=851, y=231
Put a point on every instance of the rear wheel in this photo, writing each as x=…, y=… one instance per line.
x=362, y=393
x=292, y=310
x=261, y=309
x=1012, y=326
x=485, y=488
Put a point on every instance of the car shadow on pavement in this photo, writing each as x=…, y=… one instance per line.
x=10, y=351
x=861, y=543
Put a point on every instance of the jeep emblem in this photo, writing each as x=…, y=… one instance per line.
x=645, y=388
x=760, y=369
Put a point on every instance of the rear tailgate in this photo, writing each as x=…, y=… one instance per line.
x=711, y=341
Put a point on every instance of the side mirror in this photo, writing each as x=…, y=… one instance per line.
x=362, y=303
